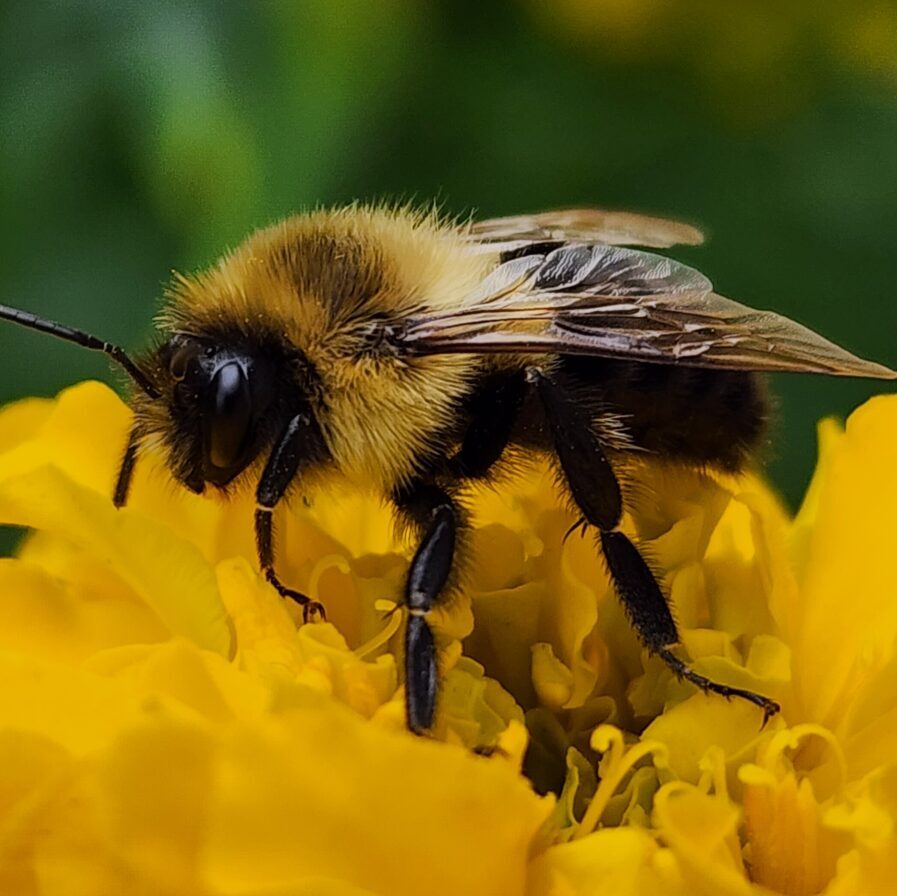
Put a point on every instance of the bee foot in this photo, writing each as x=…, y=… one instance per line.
x=708, y=686
x=313, y=611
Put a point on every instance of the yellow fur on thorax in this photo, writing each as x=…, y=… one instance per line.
x=379, y=413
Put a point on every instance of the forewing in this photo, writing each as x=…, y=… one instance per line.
x=614, y=302
x=580, y=225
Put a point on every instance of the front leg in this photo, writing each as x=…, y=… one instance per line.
x=596, y=492
x=126, y=470
x=431, y=510
x=300, y=444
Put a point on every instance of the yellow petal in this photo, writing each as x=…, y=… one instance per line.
x=45, y=616
x=86, y=453
x=871, y=818
x=168, y=575
x=613, y=862
x=691, y=728
x=848, y=621
x=506, y=627
x=277, y=820
x=701, y=831
x=154, y=823
x=789, y=851
x=76, y=709
x=20, y=421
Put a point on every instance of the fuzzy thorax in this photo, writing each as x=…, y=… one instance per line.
x=317, y=282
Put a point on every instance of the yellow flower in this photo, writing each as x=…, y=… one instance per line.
x=168, y=727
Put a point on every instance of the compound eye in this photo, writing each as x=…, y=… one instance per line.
x=230, y=415
x=179, y=365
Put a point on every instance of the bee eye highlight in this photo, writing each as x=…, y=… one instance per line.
x=230, y=415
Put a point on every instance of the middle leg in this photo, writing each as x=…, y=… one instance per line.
x=492, y=410
x=430, y=509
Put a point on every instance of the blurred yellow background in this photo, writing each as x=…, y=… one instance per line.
x=141, y=137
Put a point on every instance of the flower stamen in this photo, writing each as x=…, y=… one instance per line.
x=393, y=616
x=618, y=762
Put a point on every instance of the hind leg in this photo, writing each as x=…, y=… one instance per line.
x=596, y=491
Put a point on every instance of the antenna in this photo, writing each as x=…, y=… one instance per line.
x=79, y=337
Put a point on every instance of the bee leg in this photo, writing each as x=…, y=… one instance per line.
x=126, y=470
x=195, y=482
x=300, y=442
x=596, y=491
x=493, y=410
x=312, y=610
x=430, y=508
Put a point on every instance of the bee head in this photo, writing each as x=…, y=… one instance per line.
x=222, y=406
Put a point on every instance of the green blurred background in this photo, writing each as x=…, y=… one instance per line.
x=137, y=138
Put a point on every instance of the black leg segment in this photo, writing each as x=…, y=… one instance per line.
x=430, y=509
x=301, y=443
x=645, y=604
x=433, y=561
x=589, y=475
x=596, y=491
x=264, y=544
x=421, y=675
x=493, y=410
x=769, y=707
x=126, y=471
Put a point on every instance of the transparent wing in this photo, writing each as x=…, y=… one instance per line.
x=614, y=302
x=580, y=225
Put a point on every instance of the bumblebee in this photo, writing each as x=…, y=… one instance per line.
x=414, y=356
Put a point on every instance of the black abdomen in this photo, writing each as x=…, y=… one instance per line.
x=690, y=414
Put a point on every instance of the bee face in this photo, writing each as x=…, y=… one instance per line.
x=216, y=405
